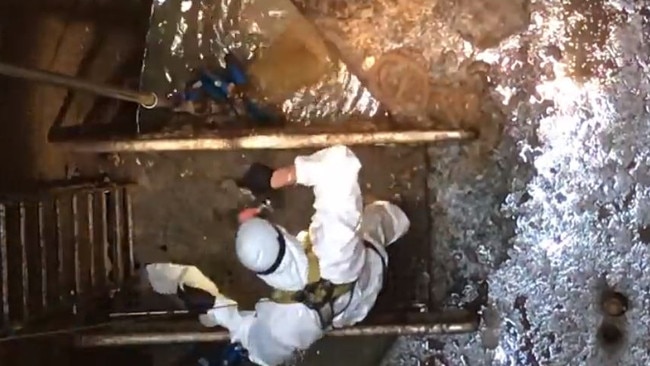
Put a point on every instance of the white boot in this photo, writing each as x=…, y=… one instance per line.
x=382, y=223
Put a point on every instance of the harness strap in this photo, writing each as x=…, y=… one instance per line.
x=319, y=294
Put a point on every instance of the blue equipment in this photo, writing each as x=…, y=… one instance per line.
x=226, y=85
x=234, y=355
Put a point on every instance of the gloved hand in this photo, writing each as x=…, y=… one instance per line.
x=196, y=290
x=258, y=179
x=196, y=299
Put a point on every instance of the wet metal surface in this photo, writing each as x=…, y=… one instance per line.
x=413, y=57
x=185, y=35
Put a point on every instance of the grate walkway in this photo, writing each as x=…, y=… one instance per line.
x=61, y=252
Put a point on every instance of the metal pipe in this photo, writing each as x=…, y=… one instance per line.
x=146, y=99
x=151, y=313
x=466, y=322
x=151, y=338
x=275, y=140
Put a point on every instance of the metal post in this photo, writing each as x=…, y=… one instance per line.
x=75, y=235
x=43, y=250
x=105, y=258
x=118, y=259
x=448, y=322
x=59, y=249
x=3, y=265
x=23, y=257
x=129, y=230
x=91, y=235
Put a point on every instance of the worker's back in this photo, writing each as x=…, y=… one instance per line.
x=346, y=244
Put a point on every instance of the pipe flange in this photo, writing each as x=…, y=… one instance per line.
x=151, y=105
x=614, y=304
x=400, y=80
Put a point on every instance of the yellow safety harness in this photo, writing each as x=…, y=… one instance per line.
x=319, y=294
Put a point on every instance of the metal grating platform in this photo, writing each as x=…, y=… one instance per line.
x=62, y=251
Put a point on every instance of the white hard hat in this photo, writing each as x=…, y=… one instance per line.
x=260, y=246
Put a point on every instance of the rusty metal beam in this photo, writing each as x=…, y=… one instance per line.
x=276, y=140
x=454, y=322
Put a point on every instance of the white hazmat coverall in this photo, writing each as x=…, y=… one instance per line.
x=273, y=331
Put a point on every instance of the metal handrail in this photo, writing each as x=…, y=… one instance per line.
x=145, y=99
x=166, y=331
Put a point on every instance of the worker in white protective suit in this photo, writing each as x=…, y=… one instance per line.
x=328, y=276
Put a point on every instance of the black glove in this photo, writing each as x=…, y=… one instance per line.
x=257, y=179
x=195, y=299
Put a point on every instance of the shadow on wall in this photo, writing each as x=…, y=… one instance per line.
x=16, y=126
x=59, y=36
